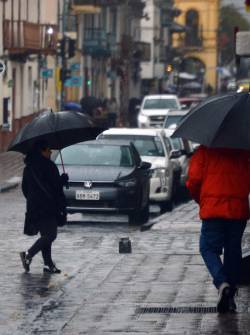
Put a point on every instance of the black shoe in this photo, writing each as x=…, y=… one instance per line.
x=51, y=269
x=224, y=298
x=25, y=261
x=232, y=304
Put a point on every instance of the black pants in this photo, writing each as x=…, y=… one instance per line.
x=48, y=230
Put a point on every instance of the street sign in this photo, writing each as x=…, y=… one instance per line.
x=75, y=67
x=2, y=67
x=47, y=73
x=75, y=81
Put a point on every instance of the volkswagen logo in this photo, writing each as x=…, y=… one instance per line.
x=87, y=184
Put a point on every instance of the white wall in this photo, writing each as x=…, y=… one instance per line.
x=150, y=33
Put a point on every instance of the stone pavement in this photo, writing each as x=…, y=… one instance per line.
x=103, y=292
x=162, y=287
x=11, y=168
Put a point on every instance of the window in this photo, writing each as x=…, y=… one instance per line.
x=97, y=155
x=172, y=120
x=192, y=34
x=145, y=145
x=160, y=104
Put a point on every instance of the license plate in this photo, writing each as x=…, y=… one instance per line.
x=87, y=195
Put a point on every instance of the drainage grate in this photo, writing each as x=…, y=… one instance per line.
x=177, y=310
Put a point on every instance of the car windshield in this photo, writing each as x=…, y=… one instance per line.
x=176, y=143
x=97, y=155
x=145, y=145
x=172, y=120
x=160, y=104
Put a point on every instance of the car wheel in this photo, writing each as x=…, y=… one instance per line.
x=143, y=215
x=140, y=216
x=167, y=206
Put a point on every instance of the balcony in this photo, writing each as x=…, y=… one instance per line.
x=187, y=44
x=23, y=37
x=98, y=43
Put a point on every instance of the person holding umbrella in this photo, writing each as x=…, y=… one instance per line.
x=219, y=181
x=42, y=187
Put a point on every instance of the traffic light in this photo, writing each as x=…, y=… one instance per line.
x=247, y=4
x=65, y=74
x=71, y=47
x=60, y=47
x=66, y=47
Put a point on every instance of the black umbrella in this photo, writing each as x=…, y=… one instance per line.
x=220, y=121
x=59, y=129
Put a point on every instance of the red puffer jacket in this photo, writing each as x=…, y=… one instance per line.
x=219, y=180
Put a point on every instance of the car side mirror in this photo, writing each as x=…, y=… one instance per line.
x=145, y=165
x=175, y=154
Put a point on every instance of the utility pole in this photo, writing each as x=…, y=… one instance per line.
x=64, y=63
x=124, y=87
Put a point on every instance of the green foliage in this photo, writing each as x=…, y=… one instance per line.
x=229, y=19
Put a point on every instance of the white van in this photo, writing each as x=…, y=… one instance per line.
x=151, y=147
x=154, y=109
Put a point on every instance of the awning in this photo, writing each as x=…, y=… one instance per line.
x=86, y=9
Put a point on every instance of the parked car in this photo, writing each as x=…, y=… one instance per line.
x=186, y=149
x=151, y=147
x=106, y=176
x=154, y=109
x=173, y=118
x=189, y=102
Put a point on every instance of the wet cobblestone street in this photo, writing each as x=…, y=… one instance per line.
x=100, y=291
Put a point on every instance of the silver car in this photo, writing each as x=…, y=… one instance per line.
x=151, y=147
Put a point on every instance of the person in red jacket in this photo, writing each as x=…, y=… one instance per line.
x=219, y=181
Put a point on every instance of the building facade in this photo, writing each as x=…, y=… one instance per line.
x=198, y=46
x=111, y=50
x=28, y=33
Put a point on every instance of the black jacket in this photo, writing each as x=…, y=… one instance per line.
x=39, y=204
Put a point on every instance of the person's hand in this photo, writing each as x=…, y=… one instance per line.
x=64, y=178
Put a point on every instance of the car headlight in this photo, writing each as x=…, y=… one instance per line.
x=127, y=183
x=143, y=118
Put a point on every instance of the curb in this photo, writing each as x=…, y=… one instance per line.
x=4, y=187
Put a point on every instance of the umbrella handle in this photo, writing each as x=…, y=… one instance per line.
x=67, y=186
x=62, y=161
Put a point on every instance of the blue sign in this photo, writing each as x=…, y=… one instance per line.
x=75, y=67
x=75, y=81
x=47, y=73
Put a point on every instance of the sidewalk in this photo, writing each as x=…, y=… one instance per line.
x=11, y=168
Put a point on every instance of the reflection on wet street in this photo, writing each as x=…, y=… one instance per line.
x=99, y=291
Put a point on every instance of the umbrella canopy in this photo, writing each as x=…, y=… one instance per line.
x=220, y=121
x=59, y=129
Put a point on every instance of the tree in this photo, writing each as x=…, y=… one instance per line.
x=229, y=19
